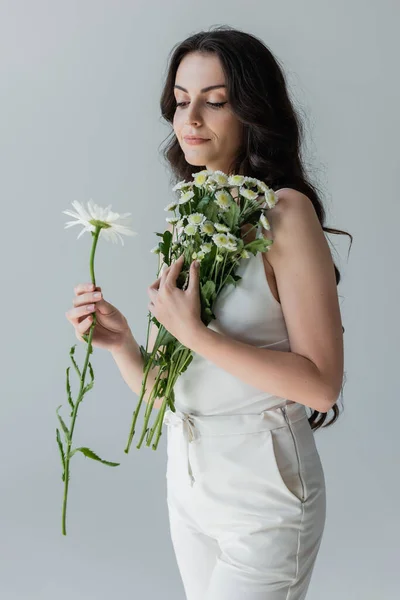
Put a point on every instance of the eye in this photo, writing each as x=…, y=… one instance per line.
x=213, y=104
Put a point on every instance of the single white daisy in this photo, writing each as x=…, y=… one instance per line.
x=249, y=194
x=271, y=198
x=185, y=197
x=236, y=180
x=97, y=216
x=221, y=227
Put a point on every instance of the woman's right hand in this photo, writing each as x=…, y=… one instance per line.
x=111, y=329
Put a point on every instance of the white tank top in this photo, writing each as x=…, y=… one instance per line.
x=248, y=313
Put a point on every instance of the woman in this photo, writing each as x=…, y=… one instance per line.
x=246, y=489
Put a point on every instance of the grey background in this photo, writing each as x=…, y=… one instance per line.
x=80, y=85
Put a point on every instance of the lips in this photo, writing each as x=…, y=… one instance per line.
x=193, y=137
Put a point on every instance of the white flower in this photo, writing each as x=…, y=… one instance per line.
x=219, y=258
x=185, y=197
x=245, y=254
x=96, y=216
x=219, y=177
x=172, y=220
x=262, y=186
x=196, y=218
x=200, y=178
x=223, y=199
x=181, y=185
x=220, y=240
x=264, y=222
x=155, y=250
x=249, y=194
x=221, y=227
x=251, y=181
x=271, y=198
x=207, y=227
x=206, y=247
x=171, y=206
x=190, y=229
x=236, y=180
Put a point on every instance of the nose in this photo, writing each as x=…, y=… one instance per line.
x=193, y=116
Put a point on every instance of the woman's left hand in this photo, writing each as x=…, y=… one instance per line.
x=177, y=310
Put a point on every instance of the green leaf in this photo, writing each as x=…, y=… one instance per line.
x=71, y=353
x=63, y=425
x=90, y=454
x=88, y=387
x=59, y=442
x=91, y=371
x=69, y=390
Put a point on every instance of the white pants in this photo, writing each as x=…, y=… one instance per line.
x=246, y=503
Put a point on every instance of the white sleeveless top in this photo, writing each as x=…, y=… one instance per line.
x=251, y=314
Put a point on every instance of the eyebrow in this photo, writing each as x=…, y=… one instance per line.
x=206, y=89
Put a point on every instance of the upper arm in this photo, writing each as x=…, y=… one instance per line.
x=153, y=328
x=305, y=277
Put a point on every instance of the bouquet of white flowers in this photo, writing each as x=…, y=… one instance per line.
x=207, y=226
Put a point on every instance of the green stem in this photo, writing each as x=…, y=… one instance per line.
x=82, y=385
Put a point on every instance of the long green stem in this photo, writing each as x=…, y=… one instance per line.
x=81, y=394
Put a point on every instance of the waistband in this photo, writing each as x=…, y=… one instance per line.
x=237, y=423
x=194, y=426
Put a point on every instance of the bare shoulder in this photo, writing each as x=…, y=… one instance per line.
x=282, y=216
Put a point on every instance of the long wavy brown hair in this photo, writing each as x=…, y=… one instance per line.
x=272, y=132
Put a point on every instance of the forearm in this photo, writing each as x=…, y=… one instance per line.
x=130, y=362
x=284, y=374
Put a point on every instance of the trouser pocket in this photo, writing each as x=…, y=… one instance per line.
x=285, y=463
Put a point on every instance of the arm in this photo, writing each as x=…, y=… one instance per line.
x=312, y=372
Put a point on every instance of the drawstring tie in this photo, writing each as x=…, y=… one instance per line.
x=189, y=433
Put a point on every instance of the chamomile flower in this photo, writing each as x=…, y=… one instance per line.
x=264, y=222
x=155, y=250
x=223, y=199
x=220, y=178
x=220, y=240
x=207, y=227
x=206, y=247
x=190, y=229
x=262, y=186
x=196, y=218
x=172, y=220
x=251, y=181
x=95, y=216
x=244, y=253
x=182, y=185
x=185, y=197
x=236, y=180
x=271, y=198
x=221, y=227
x=249, y=194
x=201, y=177
x=171, y=206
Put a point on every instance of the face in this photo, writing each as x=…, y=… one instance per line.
x=195, y=114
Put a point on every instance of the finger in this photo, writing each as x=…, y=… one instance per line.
x=75, y=314
x=86, y=298
x=83, y=287
x=83, y=326
x=194, y=276
x=175, y=269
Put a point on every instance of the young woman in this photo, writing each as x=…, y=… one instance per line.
x=246, y=488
